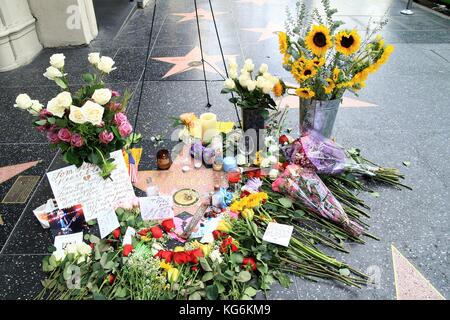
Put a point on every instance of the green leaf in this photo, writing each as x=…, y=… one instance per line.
x=212, y=292
x=98, y=296
x=205, y=265
x=285, y=202
x=244, y=276
x=250, y=291
x=344, y=272
x=195, y=296
x=207, y=276
x=299, y=213
x=41, y=122
x=51, y=120
x=94, y=158
x=88, y=78
x=236, y=258
x=60, y=82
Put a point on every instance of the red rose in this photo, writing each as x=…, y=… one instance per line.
x=127, y=250
x=168, y=225
x=194, y=268
x=181, y=257
x=249, y=261
x=216, y=234
x=165, y=255
x=111, y=278
x=156, y=232
x=195, y=254
x=283, y=139
x=254, y=173
x=234, y=247
x=143, y=232
x=92, y=245
x=116, y=233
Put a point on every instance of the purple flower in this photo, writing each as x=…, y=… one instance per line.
x=52, y=136
x=253, y=184
x=120, y=118
x=125, y=129
x=64, y=135
x=77, y=140
x=106, y=137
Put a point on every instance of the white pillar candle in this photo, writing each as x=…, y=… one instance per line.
x=209, y=126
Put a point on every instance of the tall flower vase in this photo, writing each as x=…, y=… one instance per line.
x=253, y=119
x=318, y=115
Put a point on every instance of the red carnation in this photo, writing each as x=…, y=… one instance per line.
x=116, y=233
x=168, y=225
x=127, y=250
x=165, y=255
x=249, y=261
x=195, y=254
x=156, y=232
x=283, y=139
x=111, y=278
x=181, y=257
x=143, y=232
x=234, y=247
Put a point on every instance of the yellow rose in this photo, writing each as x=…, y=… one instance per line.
x=172, y=275
x=224, y=226
x=93, y=112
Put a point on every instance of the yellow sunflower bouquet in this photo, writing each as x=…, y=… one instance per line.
x=325, y=59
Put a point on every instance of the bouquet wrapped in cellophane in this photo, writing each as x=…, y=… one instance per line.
x=304, y=185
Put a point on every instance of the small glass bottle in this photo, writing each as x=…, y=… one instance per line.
x=152, y=190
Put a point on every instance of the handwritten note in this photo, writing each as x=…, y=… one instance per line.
x=128, y=237
x=156, y=207
x=107, y=222
x=84, y=185
x=62, y=241
x=278, y=233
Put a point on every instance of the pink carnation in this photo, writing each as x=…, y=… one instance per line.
x=120, y=118
x=64, y=135
x=125, y=129
x=106, y=137
x=77, y=140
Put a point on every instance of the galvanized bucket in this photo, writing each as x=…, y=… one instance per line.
x=318, y=115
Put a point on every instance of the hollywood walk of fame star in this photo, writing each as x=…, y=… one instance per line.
x=269, y=31
x=191, y=61
x=257, y=2
x=8, y=172
x=293, y=103
x=202, y=14
x=410, y=284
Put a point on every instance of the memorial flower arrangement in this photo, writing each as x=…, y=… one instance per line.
x=86, y=125
x=326, y=60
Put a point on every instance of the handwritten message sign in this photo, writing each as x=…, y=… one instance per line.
x=107, y=222
x=62, y=241
x=156, y=207
x=128, y=237
x=278, y=233
x=84, y=185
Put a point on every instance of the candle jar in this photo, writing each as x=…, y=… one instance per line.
x=163, y=160
x=208, y=157
x=218, y=163
x=233, y=179
x=208, y=121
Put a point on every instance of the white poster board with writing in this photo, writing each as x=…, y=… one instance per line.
x=85, y=186
x=278, y=233
x=156, y=207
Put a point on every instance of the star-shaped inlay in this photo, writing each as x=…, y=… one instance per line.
x=293, y=102
x=269, y=31
x=257, y=2
x=8, y=172
x=410, y=284
x=169, y=181
x=202, y=14
x=192, y=60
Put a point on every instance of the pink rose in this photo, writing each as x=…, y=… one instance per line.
x=41, y=128
x=64, y=135
x=44, y=114
x=106, y=137
x=52, y=136
x=119, y=118
x=77, y=140
x=115, y=93
x=125, y=129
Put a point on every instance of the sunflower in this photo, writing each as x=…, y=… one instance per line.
x=278, y=89
x=348, y=42
x=318, y=61
x=361, y=76
x=336, y=73
x=305, y=93
x=303, y=69
x=318, y=40
x=286, y=59
x=283, y=42
x=330, y=87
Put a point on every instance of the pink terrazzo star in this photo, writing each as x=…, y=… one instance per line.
x=269, y=31
x=8, y=172
x=202, y=14
x=293, y=103
x=256, y=2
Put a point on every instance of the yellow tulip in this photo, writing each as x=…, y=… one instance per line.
x=172, y=275
x=224, y=226
x=248, y=214
x=164, y=265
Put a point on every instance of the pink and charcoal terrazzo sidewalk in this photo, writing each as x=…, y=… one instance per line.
x=403, y=115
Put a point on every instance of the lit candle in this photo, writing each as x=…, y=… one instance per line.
x=209, y=126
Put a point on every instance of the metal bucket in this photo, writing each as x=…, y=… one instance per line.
x=252, y=118
x=318, y=115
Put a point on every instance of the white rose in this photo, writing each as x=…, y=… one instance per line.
x=267, y=76
x=268, y=86
x=94, y=58
x=57, y=60
x=93, y=112
x=233, y=74
x=84, y=249
x=273, y=174
x=216, y=256
x=241, y=159
x=35, y=108
x=229, y=84
x=231, y=61
x=52, y=73
x=76, y=115
x=243, y=79
x=106, y=64
x=251, y=85
x=263, y=68
x=102, y=96
x=64, y=99
x=23, y=101
x=59, y=255
x=55, y=108
x=273, y=149
x=260, y=82
x=71, y=248
x=248, y=65
x=265, y=163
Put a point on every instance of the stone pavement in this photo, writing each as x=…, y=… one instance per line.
x=402, y=115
